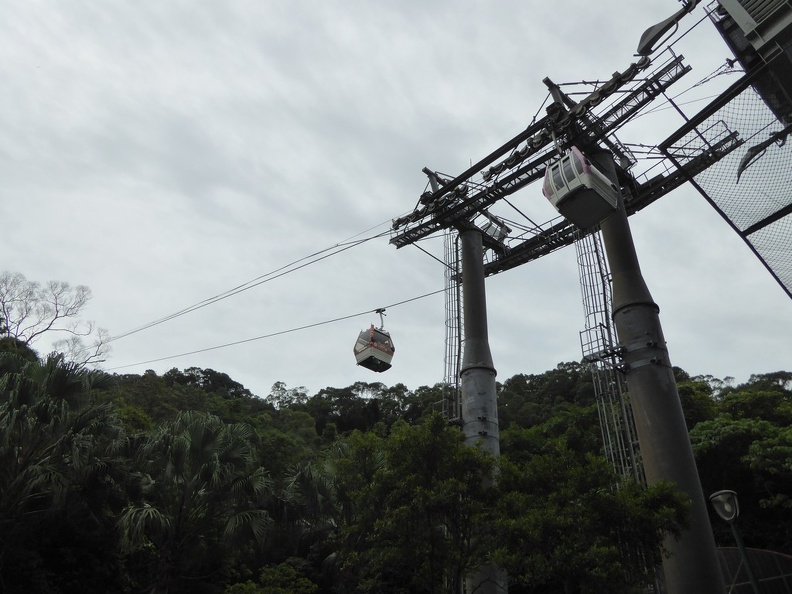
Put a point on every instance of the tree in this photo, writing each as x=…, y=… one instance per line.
x=58, y=478
x=151, y=485
x=421, y=523
x=277, y=579
x=9, y=344
x=770, y=458
x=343, y=407
x=285, y=579
x=696, y=397
x=199, y=494
x=566, y=527
x=528, y=400
x=774, y=406
x=161, y=398
x=29, y=310
x=208, y=380
x=747, y=448
x=281, y=397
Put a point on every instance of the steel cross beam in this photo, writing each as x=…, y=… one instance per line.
x=510, y=168
x=558, y=235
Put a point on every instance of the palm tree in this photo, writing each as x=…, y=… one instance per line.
x=321, y=496
x=200, y=493
x=53, y=442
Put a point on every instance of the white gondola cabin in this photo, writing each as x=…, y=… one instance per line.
x=579, y=191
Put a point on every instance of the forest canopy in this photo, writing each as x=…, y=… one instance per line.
x=188, y=482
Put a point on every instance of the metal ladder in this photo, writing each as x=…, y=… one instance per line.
x=601, y=352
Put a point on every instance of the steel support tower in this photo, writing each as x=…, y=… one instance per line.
x=591, y=124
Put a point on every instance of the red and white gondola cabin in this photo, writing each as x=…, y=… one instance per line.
x=374, y=349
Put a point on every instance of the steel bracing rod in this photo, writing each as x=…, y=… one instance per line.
x=661, y=185
x=735, y=89
x=769, y=220
x=553, y=238
x=437, y=202
x=449, y=185
x=598, y=127
x=623, y=111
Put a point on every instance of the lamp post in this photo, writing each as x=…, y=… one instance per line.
x=728, y=509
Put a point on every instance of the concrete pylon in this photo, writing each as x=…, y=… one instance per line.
x=479, y=398
x=692, y=567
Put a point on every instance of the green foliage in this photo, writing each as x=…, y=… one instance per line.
x=360, y=407
x=162, y=398
x=282, y=397
x=697, y=401
x=298, y=424
x=58, y=477
x=199, y=492
x=565, y=526
x=208, y=380
x=527, y=400
x=9, y=344
x=774, y=406
x=135, y=419
x=777, y=380
x=421, y=522
x=153, y=483
x=280, y=449
x=247, y=587
x=746, y=448
x=283, y=578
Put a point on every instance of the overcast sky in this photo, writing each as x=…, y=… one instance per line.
x=163, y=153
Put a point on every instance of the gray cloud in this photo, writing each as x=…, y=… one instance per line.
x=162, y=153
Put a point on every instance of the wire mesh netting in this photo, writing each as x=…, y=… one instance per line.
x=751, y=186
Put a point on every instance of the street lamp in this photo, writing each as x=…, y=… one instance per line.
x=726, y=505
x=728, y=508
